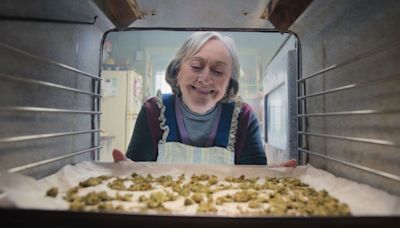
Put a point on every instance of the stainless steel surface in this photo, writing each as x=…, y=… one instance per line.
x=64, y=66
x=360, y=167
x=51, y=110
x=41, y=20
x=361, y=56
x=347, y=113
x=48, y=84
x=318, y=73
x=328, y=91
x=351, y=71
x=47, y=161
x=44, y=136
x=352, y=86
x=355, y=139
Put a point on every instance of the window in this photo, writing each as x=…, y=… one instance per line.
x=160, y=82
x=276, y=118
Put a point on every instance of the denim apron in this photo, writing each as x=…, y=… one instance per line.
x=176, y=152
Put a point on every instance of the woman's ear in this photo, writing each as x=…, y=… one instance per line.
x=178, y=72
x=177, y=78
x=230, y=84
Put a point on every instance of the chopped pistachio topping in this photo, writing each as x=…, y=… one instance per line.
x=270, y=196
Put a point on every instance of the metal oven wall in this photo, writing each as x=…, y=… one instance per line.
x=360, y=41
x=32, y=34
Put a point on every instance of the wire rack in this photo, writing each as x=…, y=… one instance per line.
x=304, y=118
x=94, y=94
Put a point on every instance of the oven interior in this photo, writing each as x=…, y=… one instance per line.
x=342, y=92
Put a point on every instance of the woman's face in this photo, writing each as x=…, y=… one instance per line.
x=204, y=77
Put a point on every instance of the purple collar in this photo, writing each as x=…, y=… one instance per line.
x=182, y=129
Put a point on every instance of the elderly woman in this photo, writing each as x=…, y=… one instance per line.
x=204, y=120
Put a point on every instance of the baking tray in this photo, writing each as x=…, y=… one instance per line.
x=23, y=215
x=52, y=218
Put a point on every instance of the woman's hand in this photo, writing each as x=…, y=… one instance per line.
x=119, y=156
x=289, y=163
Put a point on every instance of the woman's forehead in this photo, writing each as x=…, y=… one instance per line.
x=214, y=50
x=214, y=61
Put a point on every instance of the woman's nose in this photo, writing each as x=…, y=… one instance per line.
x=204, y=76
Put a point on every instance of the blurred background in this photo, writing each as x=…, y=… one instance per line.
x=133, y=69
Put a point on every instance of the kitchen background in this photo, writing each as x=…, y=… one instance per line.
x=133, y=69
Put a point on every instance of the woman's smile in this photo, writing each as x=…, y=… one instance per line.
x=202, y=91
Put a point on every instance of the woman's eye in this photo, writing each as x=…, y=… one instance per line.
x=218, y=72
x=196, y=67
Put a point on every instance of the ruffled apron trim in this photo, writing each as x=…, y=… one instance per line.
x=162, y=118
x=234, y=124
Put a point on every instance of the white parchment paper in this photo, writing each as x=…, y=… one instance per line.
x=25, y=192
